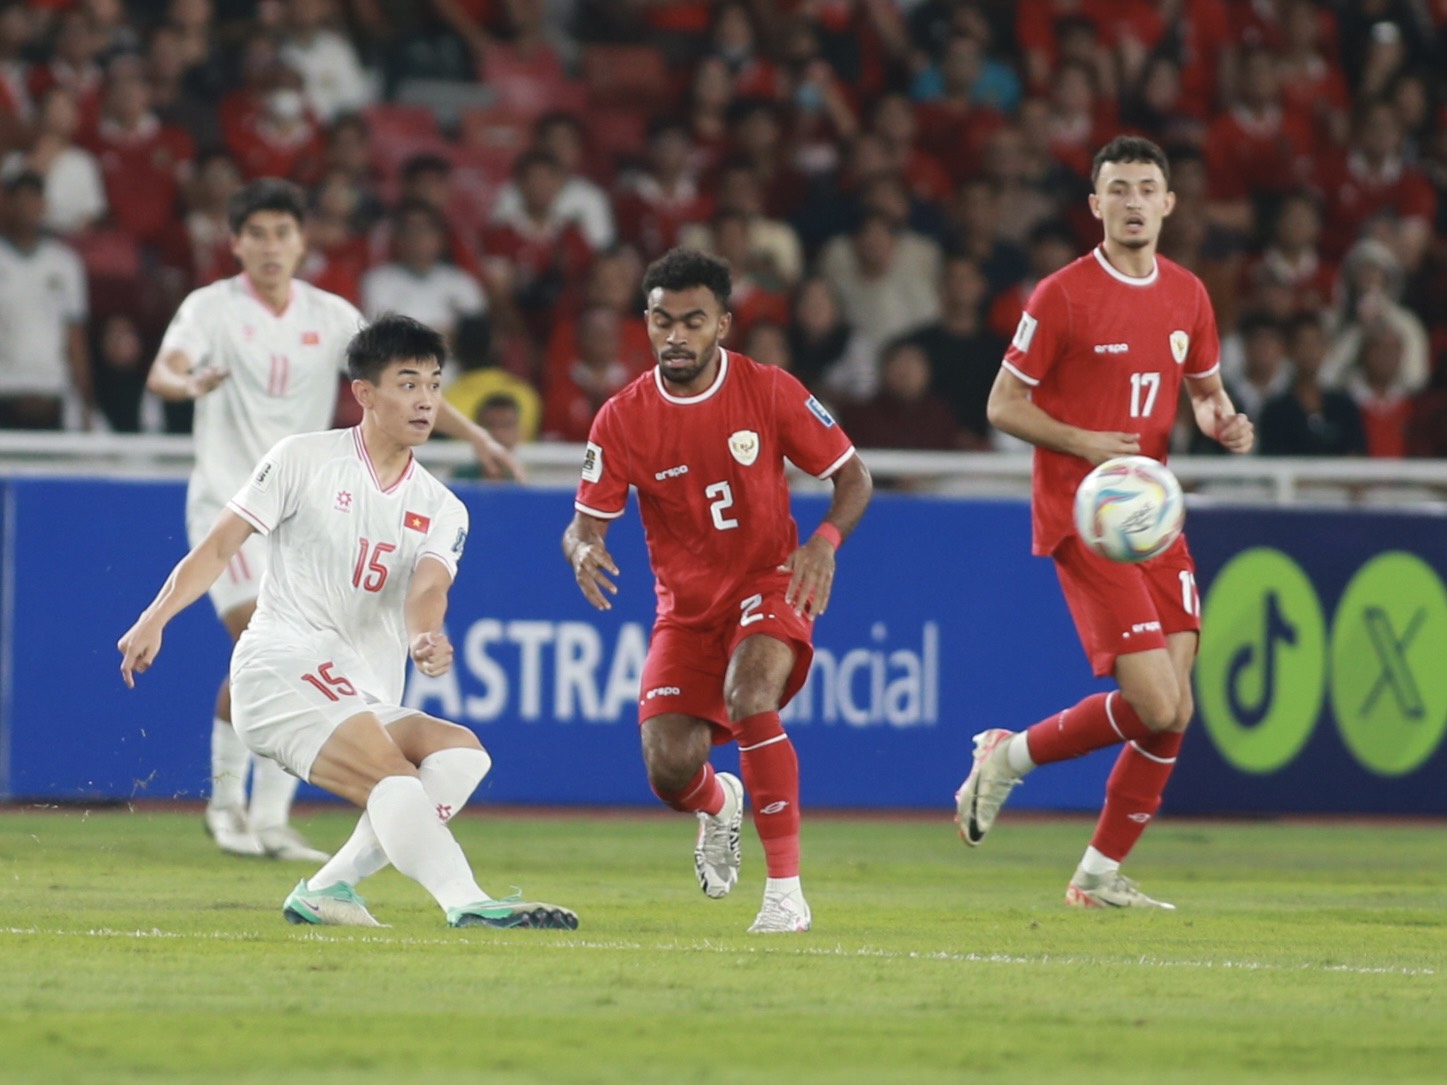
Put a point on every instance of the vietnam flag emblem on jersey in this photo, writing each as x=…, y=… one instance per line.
x=415, y=521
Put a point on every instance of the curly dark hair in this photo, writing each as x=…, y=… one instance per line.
x=679, y=269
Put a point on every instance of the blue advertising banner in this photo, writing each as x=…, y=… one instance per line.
x=1319, y=686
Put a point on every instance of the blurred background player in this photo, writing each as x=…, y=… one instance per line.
x=1094, y=371
x=703, y=437
x=260, y=353
x=318, y=676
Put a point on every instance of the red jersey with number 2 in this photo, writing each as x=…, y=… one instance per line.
x=1104, y=351
x=709, y=471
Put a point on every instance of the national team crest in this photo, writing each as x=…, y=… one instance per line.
x=744, y=446
x=1180, y=345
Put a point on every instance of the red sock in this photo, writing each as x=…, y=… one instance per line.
x=1102, y=719
x=1133, y=792
x=771, y=773
x=703, y=792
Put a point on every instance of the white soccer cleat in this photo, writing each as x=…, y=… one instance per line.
x=335, y=906
x=986, y=788
x=284, y=842
x=782, y=913
x=716, y=855
x=227, y=826
x=1113, y=890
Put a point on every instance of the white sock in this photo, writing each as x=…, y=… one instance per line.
x=229, y=760
x=1093, y=862
x=448, y=776
x=783, y=886
x=1017, y=754
x=420, y=846
x=272, y=789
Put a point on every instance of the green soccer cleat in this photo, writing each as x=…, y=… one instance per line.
x=513, y=912
x=335, y=906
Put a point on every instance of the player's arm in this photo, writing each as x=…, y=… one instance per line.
x=585, y=549
x=495, y=460
x=77, y=357
x=812, y=565
x=1217, y=416
x=1011, y=410
x=174, y=376
x=188, y=581
x=423, y=611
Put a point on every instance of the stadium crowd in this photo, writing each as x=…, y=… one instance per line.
x=887, y=178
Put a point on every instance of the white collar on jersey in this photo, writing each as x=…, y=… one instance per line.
x=1131, y=280
x=723, y=368
x=366, y=458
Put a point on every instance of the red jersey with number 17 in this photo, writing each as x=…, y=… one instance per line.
x=709, y=471
x=1104, y=351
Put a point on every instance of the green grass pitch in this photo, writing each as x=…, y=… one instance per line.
x=131, y=951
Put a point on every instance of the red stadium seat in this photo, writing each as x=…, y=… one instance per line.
x=632, y=76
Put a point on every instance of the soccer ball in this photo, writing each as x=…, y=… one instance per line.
x=1129, y=509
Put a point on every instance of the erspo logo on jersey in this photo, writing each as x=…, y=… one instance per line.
x=569, y=671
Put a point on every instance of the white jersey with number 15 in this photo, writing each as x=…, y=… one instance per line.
x=342, y=550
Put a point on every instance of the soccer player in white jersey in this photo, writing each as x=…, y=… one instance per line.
x=261, y=354
x=363, y=545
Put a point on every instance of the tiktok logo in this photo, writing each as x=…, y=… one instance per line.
x=1276, y=631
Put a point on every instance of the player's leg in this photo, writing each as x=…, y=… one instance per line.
x=1117, y=618
x=1138, y=780
x=760, y=671
x=226, y=819
x=681, y=718
x=450, y=763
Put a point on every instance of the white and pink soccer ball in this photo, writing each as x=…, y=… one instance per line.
x=1129, y=509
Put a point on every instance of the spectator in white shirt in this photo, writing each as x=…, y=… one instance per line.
x=333, y=80
x=417, y=283
x=44, y=360
x=75, y=195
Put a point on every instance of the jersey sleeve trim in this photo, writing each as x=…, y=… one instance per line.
x=1208, y=373
x=597, y=513
x=1017, y=371
x=250, y=517
x=439, y=557
x=840, y=462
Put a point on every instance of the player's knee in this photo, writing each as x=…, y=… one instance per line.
x=1157, y=706
x=1185, y=709
x=669, y=775
x=749, y=699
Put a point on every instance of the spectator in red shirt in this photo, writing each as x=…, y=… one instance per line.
x=1377, y=387
x=1258, y=149
x=143, y=160
x=283, y=139
x=198, y=246
x=1293, y=258
x=574, y=394
x=904, y=413
x=753, y=300
x=895, y=122
x=74, y=65
x=1311, y=85
x=1373, y=188
x=952, y=127
x=1078, y=124
x=1052, y=246
x=654, y=202
x=706, y=113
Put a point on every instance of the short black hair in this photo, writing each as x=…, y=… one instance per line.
x=265, y=194
x=390, y=338
x=1255, y=323
x=1130, y=149
x=424, y=163
x=531, y=160
x=1301, y=322
x=679, y=269
x=22, y=180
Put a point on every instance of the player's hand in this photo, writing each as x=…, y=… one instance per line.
x=139, y=648
x=590, y=562
x=1098, y=446
x=432, y=652
x=1236, y=432
x=201, y=381
x=812, y=566
x=495, y=459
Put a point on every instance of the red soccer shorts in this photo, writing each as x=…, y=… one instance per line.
x=1120, y=609
x=685, y=668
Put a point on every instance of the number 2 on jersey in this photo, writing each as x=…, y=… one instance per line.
x=370, y=575
x=723, y=496
x=1143, y=390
